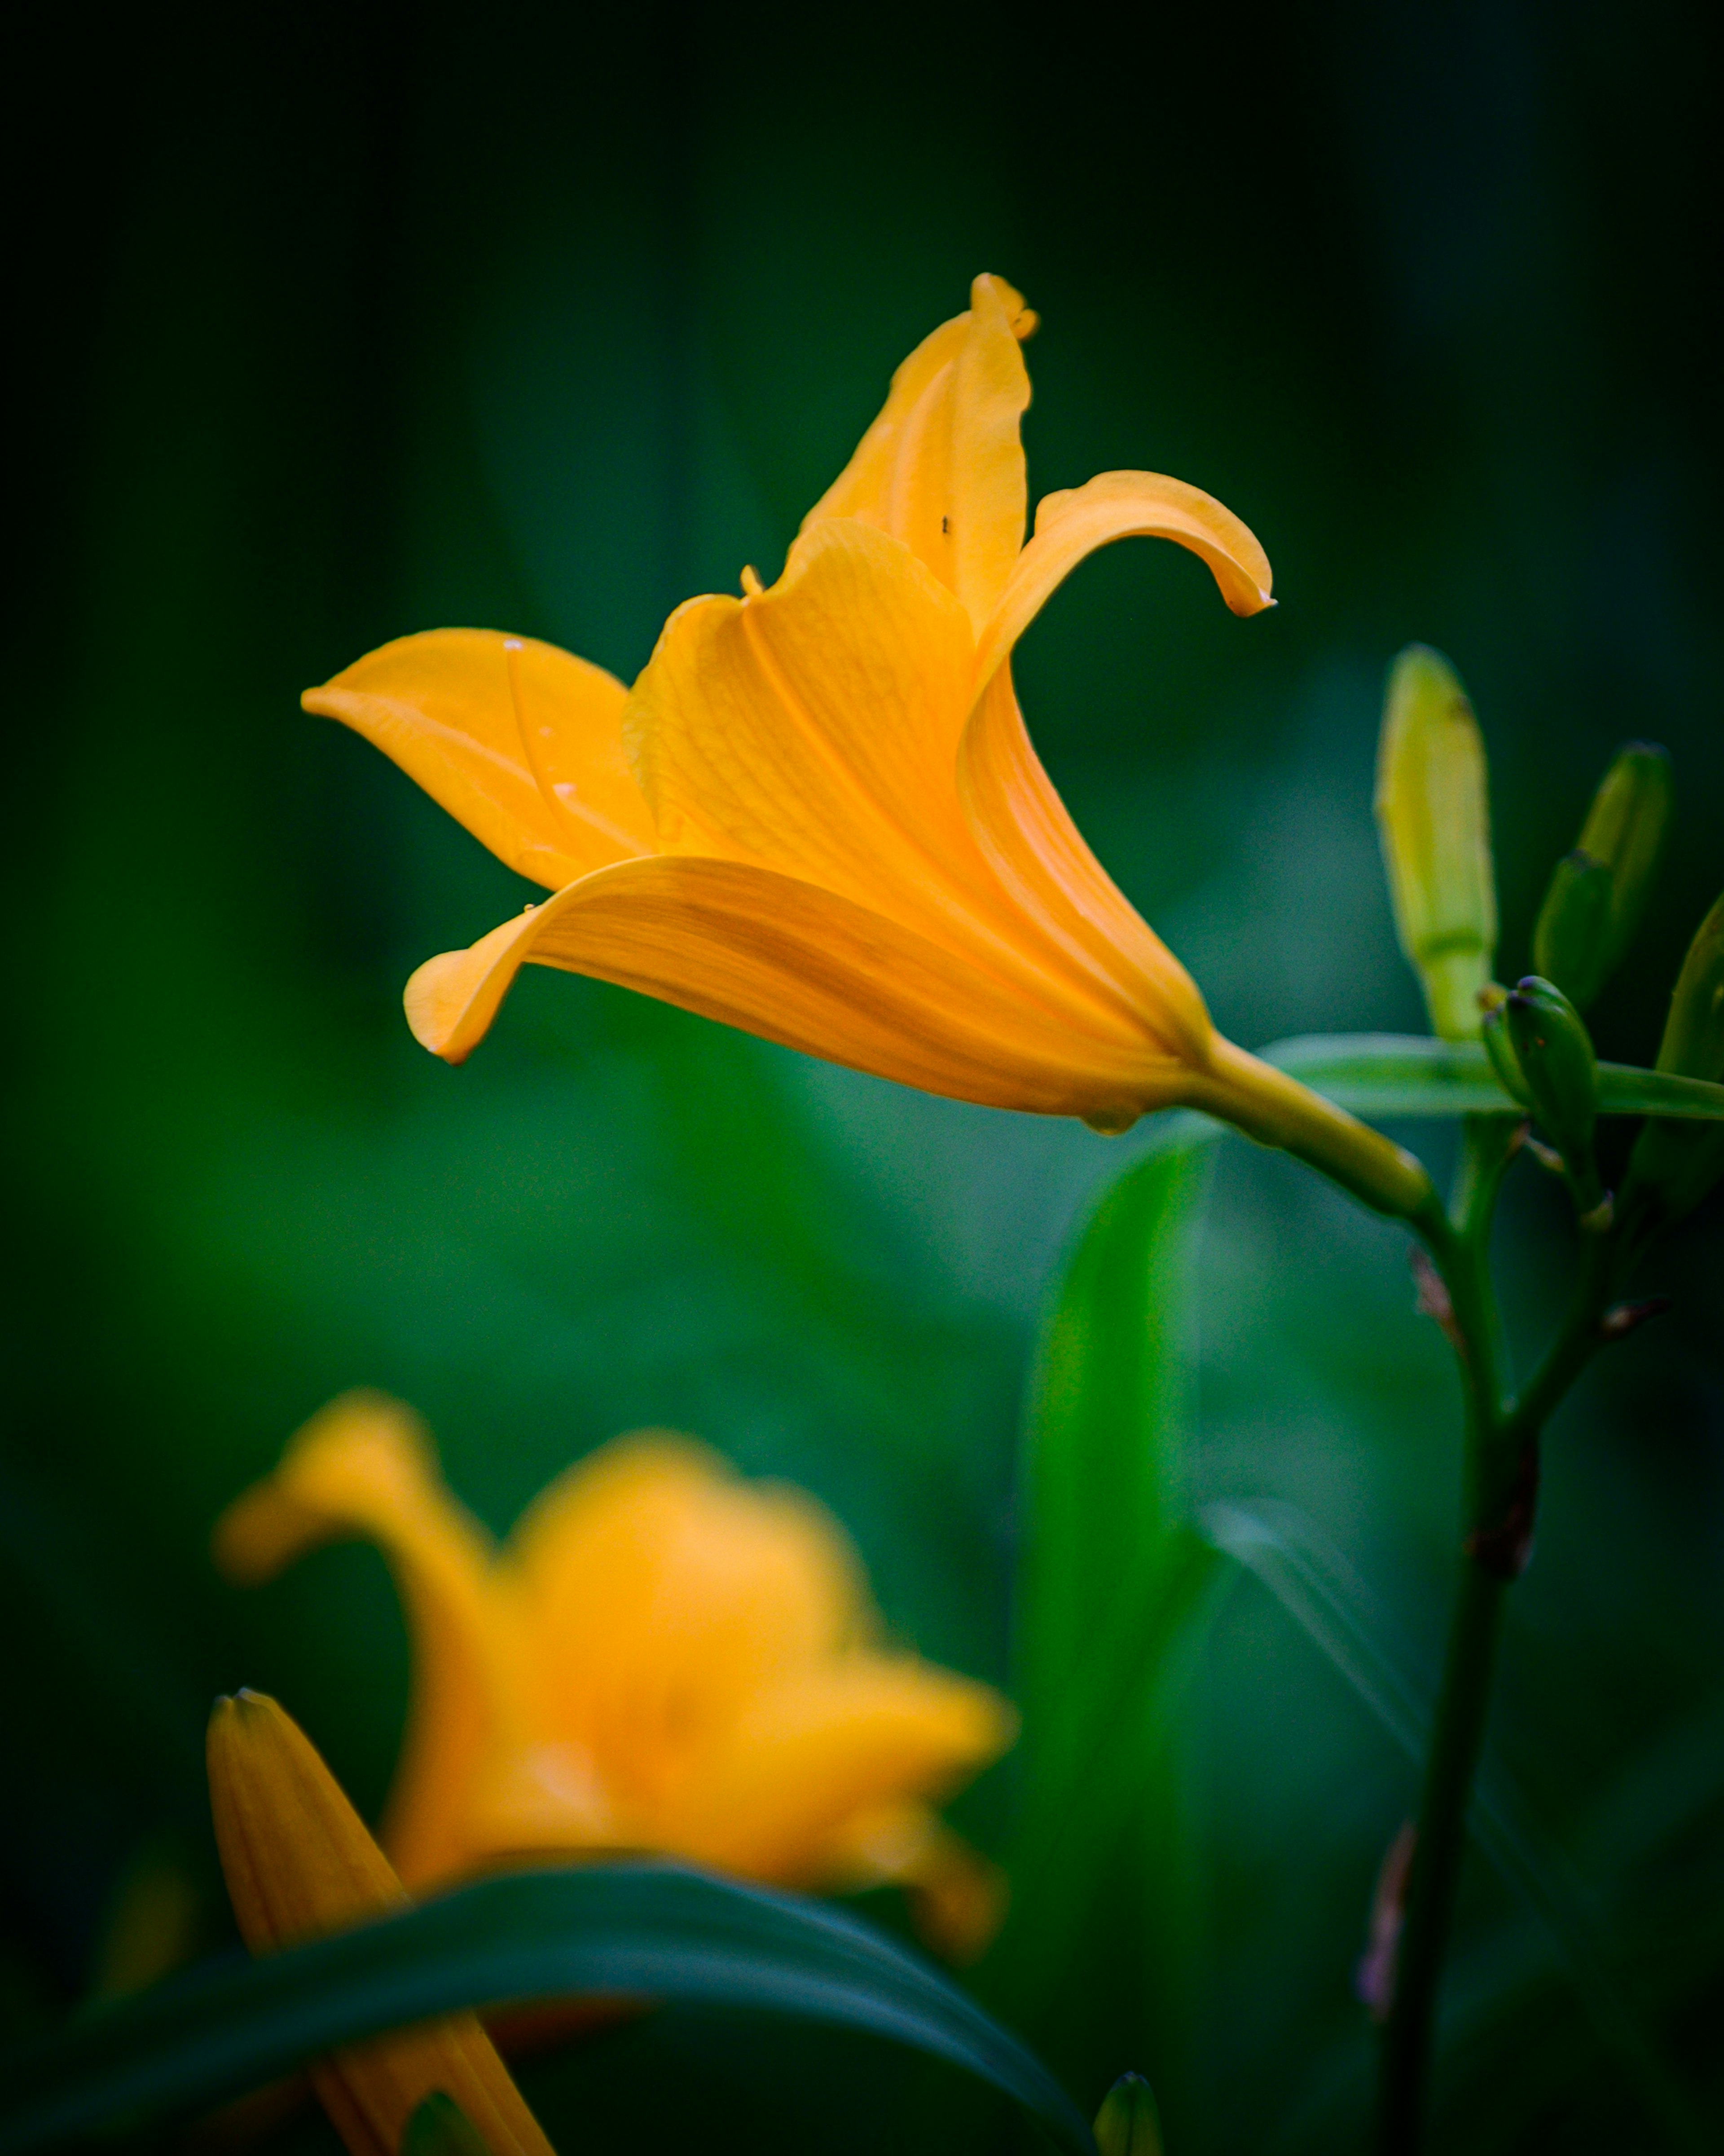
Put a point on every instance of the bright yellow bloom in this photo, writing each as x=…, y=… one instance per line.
x=818, y=814
x=299, y=1863
x=662, y=1657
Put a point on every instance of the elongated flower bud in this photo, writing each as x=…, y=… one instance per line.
x=1432, y=814
x=1128, y=2123
x=1675, y=1165
x=1598, y=891
x=1573, y=932
x=299, y=1862
x=1499, y=1046
x=441, y=2127
x=1693, y=1044
x=1554, y=1053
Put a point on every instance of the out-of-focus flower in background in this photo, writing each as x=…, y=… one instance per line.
x=662, y=1657
x=299, y=1863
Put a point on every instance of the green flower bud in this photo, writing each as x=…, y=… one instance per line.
x=1128, y=2123
x=1500, y=1047
x=1573, y=931
x=439, y=2126
x=1434, y=818
x=1675, y=1165
x=1693, y=1044
x=1560, y=1073
x=1599, y=891
x=1625, y=829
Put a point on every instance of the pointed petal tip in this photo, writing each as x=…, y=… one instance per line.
x=243, y=1704
x=1023, y=321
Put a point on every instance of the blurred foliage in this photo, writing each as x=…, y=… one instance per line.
x=346, y=322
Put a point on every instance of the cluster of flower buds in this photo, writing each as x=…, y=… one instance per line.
x=1432, y=812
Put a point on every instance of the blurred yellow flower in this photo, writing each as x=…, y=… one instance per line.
x=299, y=1863
x=662, y=1657
x=818, y=814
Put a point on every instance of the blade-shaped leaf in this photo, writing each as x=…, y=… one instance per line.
x=642, y=1930
x=1408, y=1074
x=1108, y=1406
x=1338, y=1613
x=1115, y=1590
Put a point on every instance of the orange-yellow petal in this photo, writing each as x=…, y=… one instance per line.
x=942, y=467
x=365, y=1466
x=815, y=730
x=1041, y=857
x=660, y=1593
x=797, y=964
x=299, y=1863
x=779, y=1799
x=519, y=742
x=812, y=729
x=1122, y=505
x=958, y=1898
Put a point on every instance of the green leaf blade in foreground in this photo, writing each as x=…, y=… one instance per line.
x=1385, y=1075
x=655, y=1932
x=1114, y=1594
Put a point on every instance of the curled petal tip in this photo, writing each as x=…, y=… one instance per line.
x=451, y=999
x=1124, y=504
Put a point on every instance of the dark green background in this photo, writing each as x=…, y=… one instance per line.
x=338, y=323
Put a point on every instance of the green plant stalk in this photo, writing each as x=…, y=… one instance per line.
x=1501, y=1483
x=1503, y=1435
x=1457, y=1737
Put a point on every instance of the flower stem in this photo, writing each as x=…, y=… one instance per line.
x=1277, y=1109
x=1503, y=1436
x=1456, y=1743
x=1501, y=1487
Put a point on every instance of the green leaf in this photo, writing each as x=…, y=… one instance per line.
x=1116, y=1591
x=1340, y=1615
x=650, y=1931
x=1409, y=1074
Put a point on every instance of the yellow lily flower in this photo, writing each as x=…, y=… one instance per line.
x=818, y=814
x=300, y=1863
x=661, y=1657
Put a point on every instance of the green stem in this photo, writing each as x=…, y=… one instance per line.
x=1459, y=1242
x=1502, y=1446
x=1574, y=1346
x=1456, y=1739
x=1502, y=1442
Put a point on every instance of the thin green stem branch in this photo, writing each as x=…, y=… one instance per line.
x=1574, y=1346
x=1502, y=1445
